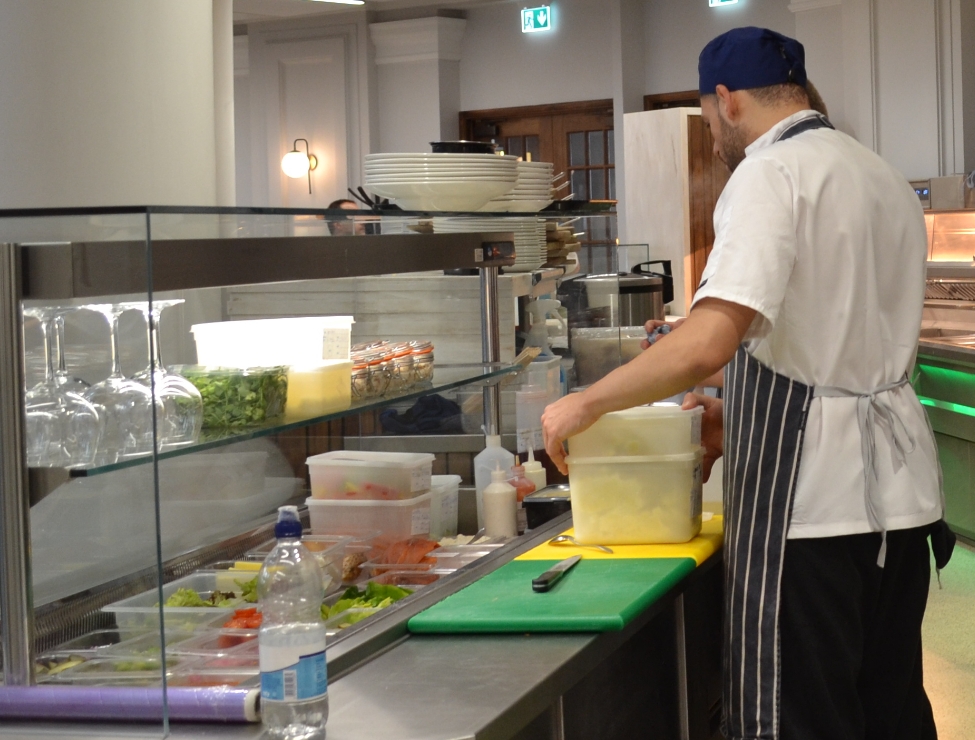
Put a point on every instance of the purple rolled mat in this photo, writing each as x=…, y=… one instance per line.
x=210, y=704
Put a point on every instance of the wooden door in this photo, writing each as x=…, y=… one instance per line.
x=577, y=138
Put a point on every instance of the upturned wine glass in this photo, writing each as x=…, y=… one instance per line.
x=182, y=405
x=63, y=428
x=127, y=402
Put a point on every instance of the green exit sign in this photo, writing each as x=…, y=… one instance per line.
x=534, y=20
x=718, y=3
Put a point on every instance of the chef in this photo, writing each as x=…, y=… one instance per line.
x=811, y=302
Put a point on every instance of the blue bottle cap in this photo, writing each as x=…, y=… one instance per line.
x=288, y=525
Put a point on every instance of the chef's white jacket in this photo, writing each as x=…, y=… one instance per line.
x=827, y=242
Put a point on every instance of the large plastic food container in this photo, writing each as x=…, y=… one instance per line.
x=661, y=429
x=213, y=644
x=329, y=550
x=140, y=613
x=319, y=389
x=445, y=491
x=636, y=500
x=371, y=476
x=397, y=520
x=133, y=671
x=304, y=340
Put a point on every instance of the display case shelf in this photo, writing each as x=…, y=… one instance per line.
x=444, y=378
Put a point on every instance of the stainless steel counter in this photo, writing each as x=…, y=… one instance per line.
x=946, y=351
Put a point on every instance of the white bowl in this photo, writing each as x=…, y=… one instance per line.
x=441, y=196
x=427, y=158
x=441, y=178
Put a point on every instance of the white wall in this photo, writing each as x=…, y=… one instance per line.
x=967, y=71
x=503, y=67
x=108, y=102
x=677, y=30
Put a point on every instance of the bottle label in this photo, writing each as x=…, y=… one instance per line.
x=530, y=438
x=293, y=673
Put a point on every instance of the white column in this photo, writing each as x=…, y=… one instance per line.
x=223, y=102
x=418, y=81
x=629, y=87
x=106, y=102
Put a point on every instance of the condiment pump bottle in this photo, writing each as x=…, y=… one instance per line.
x=500, y=506
x=534, y=471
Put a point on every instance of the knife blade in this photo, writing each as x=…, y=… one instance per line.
x=549, y=578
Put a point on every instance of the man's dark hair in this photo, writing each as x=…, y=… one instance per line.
x=340, y=202
x=776, y=95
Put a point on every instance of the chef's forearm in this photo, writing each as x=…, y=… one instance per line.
x=700, y=348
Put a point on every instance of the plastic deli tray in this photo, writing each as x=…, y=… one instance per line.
x=141, y=613
x=122, y=671
x=214, y=644
x=329, y=550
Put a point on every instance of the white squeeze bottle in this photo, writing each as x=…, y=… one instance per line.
x=492, y=457
x=534, y=471
x=500, y=506
x=291, y=641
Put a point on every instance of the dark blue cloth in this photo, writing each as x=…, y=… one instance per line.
x=429, y=415
x=744, y=58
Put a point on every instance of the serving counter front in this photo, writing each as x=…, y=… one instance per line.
x=656, y=674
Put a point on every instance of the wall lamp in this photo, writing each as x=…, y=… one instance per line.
x=297, y=164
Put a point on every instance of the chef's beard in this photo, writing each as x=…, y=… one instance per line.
x=732, y=143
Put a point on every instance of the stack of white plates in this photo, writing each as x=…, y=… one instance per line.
x=440, y=182
x=532, y=192
x=530, y=247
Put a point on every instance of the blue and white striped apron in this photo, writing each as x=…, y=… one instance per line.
x=764, y=424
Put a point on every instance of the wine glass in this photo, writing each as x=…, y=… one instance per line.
x=63, y=428
x=128, y=403
x=65, y=381
x=182, y=405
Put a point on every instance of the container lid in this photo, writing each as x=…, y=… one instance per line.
x=695, y=456
x=366, y=459
x=656, y=411
x=441, y=482
x=368, y=503
x=555, y=492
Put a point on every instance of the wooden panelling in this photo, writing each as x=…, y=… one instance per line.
x=707, y=178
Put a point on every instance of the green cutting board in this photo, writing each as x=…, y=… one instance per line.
x=595, y=596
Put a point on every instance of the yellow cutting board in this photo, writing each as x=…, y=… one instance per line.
x=700, y=548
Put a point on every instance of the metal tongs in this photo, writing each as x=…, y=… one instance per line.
x=565, y=539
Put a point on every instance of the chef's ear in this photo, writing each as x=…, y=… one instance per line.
x=728, y=107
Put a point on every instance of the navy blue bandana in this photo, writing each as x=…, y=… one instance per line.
x=750, y=57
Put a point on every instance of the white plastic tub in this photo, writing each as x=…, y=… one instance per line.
x=369, y=476
x=444, y=490
x=636, y=500
x=661, y=429
x=397, y=520
x=304, y=340
x=319, y=389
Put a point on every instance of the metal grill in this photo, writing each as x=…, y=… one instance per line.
x=938, y=289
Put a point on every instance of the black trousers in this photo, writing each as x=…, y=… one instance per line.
x=851, y=638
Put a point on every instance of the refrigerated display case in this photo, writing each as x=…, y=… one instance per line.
x=90, y=298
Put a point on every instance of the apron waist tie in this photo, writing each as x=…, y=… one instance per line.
x=871, y=411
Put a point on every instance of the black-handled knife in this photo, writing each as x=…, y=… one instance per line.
x=549, y=578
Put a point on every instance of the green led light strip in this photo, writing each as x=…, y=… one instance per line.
x=947, y=406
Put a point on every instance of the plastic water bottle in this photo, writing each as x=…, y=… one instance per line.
x=291, y=641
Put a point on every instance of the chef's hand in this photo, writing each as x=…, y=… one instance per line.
x=564, y=418
x=652, y=325
x=712, y=427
